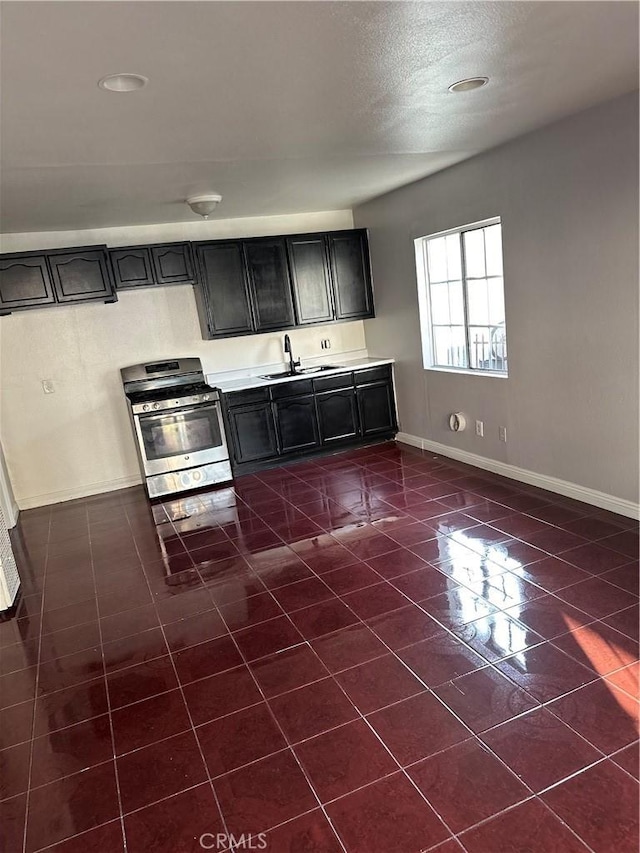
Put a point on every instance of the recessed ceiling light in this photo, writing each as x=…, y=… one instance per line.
x=124, y=82
x=469, y=84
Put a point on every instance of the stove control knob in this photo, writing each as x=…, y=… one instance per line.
x=206, y=397
x=156, y=405
x=145, y=408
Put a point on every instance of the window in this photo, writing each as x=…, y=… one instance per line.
x=461, y=293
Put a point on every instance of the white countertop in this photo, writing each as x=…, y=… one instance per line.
x=254, y=377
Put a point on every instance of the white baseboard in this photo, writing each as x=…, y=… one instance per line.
x=79, y=492
x=523, y=475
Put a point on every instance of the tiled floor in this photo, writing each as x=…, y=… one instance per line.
x=377, y=652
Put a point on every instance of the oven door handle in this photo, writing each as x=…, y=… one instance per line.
x=169, y=413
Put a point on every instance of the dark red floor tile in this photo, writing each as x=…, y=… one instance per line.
x=14, y=764
x=440, y=659
x=128, y=622
x=159, y=770
x=291, y=570
x=194, y=629
x=16, y=723
x=545, y=672
x=540, y=749
x=466, y=784
x=484, y=698
x=140, y=682
x=417, y=727
x=71, y=805
x=627, y=679
x=239, y=738
x=388, y=815
x=267, y=637
x=126, y=598
x=374, y=600
x=12, y=819
x=183, y=604
x=69, y=640
x=525, y=828
x=627, y=621
x=397, y=563
x=402, y=627
x=549, y=616
x=287, y=670
x=106, y=838
x=378, y=683
x=497, y=636
x=343, y=759
x=626, y=542
x=71, y=750
x=592, y=527
x=221, y=694
x=313, y=709
x=597, y=597
x=324, y=554
x=423, y=583
x=73, y=705
x=149, y=721
x=324, y=618
x=310, y=832
x=599, y=647
x=206, y=659
x=351, y=578
x=552, y=574
x=506, y=590
x=304, y=593
x=133, y=650
x=348, y=647
x=626, y=577
x=263, y=795
x=457, y=607
x=601, y=806
x=629, y=759
x=243, y=613
x=595, y=558
x=175, y=824
x=604, y=715
x=555, y=540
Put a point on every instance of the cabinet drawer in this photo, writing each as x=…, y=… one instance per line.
x=251, y=395
x=291, y=389
x=373, y=374
x=330, y=383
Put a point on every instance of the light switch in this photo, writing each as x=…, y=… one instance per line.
x=48, y=386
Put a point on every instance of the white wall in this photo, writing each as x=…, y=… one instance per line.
x=568, y=198
x=78, y=440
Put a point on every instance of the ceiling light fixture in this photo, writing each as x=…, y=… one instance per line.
x=124, y=82
x=203, y=205
x=468, y=84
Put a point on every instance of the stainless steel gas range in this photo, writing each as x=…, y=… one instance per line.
x=177, y=421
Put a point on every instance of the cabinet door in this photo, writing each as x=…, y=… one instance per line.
x=24, y=283
x=270, y=284
x=224, y=307
x=337, y=415
x=81, y=274
x=296, y=423
x=132, y=267
x=376, y=408
x=309, y=261
x=253, y=433
x=172, y=263
x=351, y=274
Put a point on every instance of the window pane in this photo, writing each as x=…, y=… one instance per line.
x=449, y=346
x=478, y=302
x=456, y=303
x=493, y=246
x=454, y=262
x=496, y=301
x=440, y=304
x=480, y=347
x=474, y=253
x=437, y=252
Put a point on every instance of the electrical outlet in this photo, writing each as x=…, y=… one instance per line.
x=480, y=429
x=48, y=386
x=502, y=433
x=325, y=343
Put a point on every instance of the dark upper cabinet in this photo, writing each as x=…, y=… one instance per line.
x=24, y=282
x=311, y=278
x=253, y=435
x=132, y=267
x=337, y=415
x=223, y=294
x=351, y=274
x=172, y=263
x=79, y=275
x=296, y=423
x=269, y=284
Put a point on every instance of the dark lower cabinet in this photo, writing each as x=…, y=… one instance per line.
x=337, y=415
x=376, y=408
x=296, y=423
x=253, y=434
x=24, y=283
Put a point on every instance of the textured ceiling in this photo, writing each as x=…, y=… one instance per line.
x=281, y=107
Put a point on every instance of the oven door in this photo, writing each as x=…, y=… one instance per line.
x=181, y=438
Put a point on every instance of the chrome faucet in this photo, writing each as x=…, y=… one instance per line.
x=287, y=348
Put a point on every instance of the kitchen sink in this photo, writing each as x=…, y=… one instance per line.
x=304, y=372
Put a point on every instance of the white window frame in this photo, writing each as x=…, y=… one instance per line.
x=424, y=302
